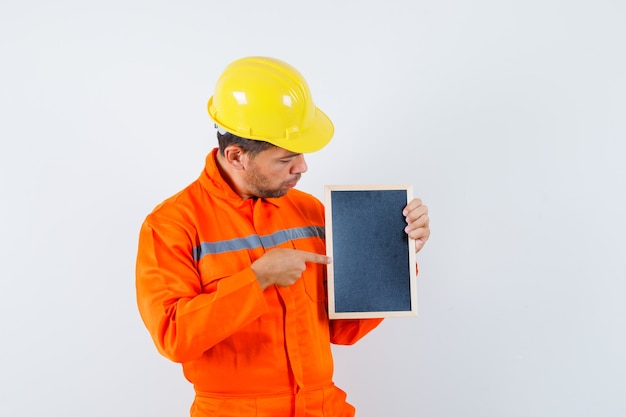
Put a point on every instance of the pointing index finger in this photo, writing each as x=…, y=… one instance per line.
x=315, y=257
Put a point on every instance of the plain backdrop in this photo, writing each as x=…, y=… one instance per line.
x=507, y=117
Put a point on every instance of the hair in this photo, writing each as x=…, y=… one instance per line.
x=249, y=146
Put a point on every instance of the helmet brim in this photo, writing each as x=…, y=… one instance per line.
x=317, y=135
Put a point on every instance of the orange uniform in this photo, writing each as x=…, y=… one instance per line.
x=246, y=351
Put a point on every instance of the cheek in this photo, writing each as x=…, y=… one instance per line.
x=279, y=172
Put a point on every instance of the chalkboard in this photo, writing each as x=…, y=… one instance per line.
x=373, y=273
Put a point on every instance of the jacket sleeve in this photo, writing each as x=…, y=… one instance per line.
x=350, y=331
x=184, y=320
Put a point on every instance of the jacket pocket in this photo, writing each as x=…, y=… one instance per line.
x=206, y=406
x=315, y=275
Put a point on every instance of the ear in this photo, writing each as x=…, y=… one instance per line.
x=234, y=156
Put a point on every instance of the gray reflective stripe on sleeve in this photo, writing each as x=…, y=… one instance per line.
x=255, y=241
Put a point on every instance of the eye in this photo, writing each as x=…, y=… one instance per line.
x=287, y=159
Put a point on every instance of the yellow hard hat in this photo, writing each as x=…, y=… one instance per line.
x=267, y=99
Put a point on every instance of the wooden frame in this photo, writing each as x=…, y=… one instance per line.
x=373, y=273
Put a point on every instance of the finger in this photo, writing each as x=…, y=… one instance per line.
x=422, y=233
x=413, y=204
x=315, y=258
x=420, y=222
x=417, y=213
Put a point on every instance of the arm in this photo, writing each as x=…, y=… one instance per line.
x=350, y=331
x=183, y=319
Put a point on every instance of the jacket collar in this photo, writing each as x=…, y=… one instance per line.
x=212, y=181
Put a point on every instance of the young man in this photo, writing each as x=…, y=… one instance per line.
x=231, y=271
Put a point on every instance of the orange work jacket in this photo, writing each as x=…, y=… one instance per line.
x=204, y=308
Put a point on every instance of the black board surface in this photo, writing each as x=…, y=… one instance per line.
x=373, y=269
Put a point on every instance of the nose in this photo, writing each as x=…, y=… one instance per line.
x=299, y=166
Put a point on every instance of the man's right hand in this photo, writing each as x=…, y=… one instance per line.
x=284, y=267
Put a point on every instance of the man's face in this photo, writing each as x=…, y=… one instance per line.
x=272, y=172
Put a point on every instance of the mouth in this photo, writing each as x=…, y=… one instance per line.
x=293, y=182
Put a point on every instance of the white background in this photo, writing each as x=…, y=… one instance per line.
x=508, y=117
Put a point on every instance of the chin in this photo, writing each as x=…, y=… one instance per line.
x=273, y=193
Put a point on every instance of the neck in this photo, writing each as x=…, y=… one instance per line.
x=229, y=174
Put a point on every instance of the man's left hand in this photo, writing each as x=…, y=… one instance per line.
x=418, y=223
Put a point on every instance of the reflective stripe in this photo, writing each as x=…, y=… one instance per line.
x=255, y=241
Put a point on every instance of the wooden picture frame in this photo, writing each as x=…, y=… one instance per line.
x=373, y=273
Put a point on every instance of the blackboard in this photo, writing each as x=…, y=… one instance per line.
x=373, y=273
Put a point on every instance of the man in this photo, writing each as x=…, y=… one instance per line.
x=231, y=270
